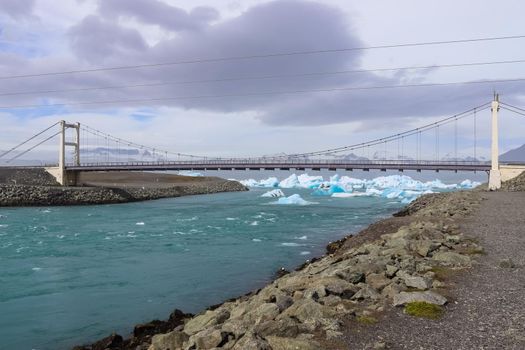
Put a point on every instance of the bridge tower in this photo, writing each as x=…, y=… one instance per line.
x=62, y=175
x=495, y=173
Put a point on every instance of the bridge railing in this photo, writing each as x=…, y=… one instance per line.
x=287, y=162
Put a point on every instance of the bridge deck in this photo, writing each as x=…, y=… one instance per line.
x=285, y=165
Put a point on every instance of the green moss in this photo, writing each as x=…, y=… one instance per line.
x=423, y=309
x=366, y=319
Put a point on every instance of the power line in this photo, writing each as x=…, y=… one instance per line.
x=264, y=77
x=267, y=93
x=269, y=55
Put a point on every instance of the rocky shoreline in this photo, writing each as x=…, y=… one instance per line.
x=27, y=195
x=400, y=262
x=34, y=187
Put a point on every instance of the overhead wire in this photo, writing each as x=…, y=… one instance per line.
x=266, y=93
x=267, y=55
x=263, y=77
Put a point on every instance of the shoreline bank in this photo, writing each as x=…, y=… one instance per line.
x=34, y=187
x=361, y=275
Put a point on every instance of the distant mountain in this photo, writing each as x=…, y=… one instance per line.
x=516, y=155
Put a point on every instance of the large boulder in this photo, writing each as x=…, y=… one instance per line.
x=279, y=343
x=208, y=339
x=307, y=310
x=378, y=281
x=250, y=341
x=418, y=282
x=427, y=296
x=169, y=341
x=208, y=319
x=451, y=258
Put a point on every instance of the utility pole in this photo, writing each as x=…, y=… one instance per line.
x=495, y=174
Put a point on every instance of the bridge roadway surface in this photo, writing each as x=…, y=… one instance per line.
x=283, y=165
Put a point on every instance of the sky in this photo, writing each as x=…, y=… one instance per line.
x=42, y=36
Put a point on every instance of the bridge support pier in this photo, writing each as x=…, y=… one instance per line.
x=60, y=172
x=495, y=173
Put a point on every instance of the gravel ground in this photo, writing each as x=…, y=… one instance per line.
x=487, y=303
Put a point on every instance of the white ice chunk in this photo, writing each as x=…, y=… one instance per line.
x=294, y=199
x=189, y=173
x=273, y=193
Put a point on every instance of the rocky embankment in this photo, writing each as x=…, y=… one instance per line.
x=35, y=187
x=396, y=263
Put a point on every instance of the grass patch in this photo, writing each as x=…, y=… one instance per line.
x=366, y=319
x=423, y=309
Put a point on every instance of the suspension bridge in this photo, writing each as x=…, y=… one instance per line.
x=94, y=150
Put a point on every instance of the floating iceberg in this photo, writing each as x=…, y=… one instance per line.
x=293, y=199
x=189, y=173
x=273, y=193
x=399, y=187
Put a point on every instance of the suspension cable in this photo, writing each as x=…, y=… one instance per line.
x=32, y=148
x=26, y=141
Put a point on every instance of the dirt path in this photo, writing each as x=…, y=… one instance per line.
x=487, y=302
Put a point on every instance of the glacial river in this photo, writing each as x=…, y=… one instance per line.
x=71, y=275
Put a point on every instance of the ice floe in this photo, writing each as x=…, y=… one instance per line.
x=400, y=187
x=294, y=199
x=273, y=193
x=189, y=173
x=291, y=244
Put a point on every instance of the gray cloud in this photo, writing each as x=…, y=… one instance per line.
x=279, y=26
x=95, y=40
x=17, y=8
x=156, y=12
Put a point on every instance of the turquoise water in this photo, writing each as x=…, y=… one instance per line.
x=70, y=275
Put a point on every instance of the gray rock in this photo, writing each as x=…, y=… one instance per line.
x=279, y=343
x=208, y=338
x=264, y=312
x=284, y=327
x=198, y=323
x=451, y=258
x=169, y=341
x=251, y=342
x=351, y=276
x=507, y=264
x=366, y=293
x=307, y=309
x=283, y=302
x=237, y=327
x=378, y=281
x=427, y=296
x=391, y=270
x=418, y=282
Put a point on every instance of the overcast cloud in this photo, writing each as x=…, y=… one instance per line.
x=131, y=32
